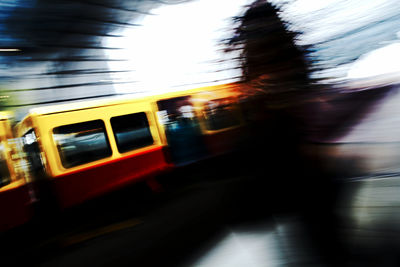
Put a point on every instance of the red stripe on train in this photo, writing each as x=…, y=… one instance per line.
x=78, y=186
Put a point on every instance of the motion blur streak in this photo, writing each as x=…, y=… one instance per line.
x=49, y=47
x=294, y=153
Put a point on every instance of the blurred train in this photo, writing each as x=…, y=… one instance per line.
x=76, y=152
x=15, y=189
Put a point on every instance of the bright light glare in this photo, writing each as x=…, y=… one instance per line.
x=177, y=46
x=260, y=246
x=9, y=50
x=385, y=60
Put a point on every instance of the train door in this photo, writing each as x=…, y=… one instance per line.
x=41, y=186
x=182, y=130
x=34, y=158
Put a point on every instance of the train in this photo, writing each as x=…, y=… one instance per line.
x=71, y=153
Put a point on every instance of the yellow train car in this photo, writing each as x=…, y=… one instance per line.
x=89, y=148
x=83, y=150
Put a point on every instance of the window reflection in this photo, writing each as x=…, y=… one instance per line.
x=220, y=114
x=81, y=143
x=131, y=131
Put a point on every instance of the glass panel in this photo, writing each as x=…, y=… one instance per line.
x=131, y=131
x=82, y=143
x=220, y=114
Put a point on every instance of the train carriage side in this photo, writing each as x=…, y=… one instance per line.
x=88, y=151
x=201, y=122
x=15, y=193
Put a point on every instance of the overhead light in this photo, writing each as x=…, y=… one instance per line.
x=9, y=50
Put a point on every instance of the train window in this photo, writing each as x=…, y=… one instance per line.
x=4, y=172
x=220, y=114
x=131, y=131
x=82, y=143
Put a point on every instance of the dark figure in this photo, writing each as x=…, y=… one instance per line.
x=274, y=66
